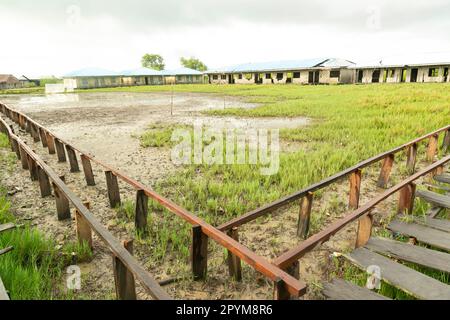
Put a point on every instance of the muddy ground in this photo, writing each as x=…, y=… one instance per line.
x=107, y=124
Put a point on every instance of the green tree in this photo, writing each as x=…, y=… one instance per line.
x=154, y=61
x=193, y=63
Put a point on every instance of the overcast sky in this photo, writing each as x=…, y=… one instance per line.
x=53, y=37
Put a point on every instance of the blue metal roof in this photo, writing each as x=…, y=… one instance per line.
x=142, y=72
x=284, y=65
x=92, y=72
x=181, y=71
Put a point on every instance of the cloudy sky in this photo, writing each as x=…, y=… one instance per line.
x=53, y=37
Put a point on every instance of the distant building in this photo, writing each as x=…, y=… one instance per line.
x=8, y=81
x=89, y=78
x=310, y=71
x=142, y=77
x=182, y=76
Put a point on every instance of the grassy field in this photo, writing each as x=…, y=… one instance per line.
x=349, y=123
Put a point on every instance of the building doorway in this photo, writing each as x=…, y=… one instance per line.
x=445, y=74
x=230, y=79
x=313, y=77
x=146, y=81
x=360, y=76
x=376, y=76
x=413, y=77
x=403, y=75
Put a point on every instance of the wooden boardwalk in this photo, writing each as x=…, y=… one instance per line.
x=394, y=258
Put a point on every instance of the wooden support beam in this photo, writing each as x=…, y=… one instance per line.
x=72, y=159
x=411, y=158
x=60, y=150
x=32, y=167
x=28, y=126
x=123, y=278
x=364, y=230
x=113, y=189
x=446, y=142
x=84, y=231
x=35, y=133
x=44, y=183
x=385, y=172
x=87, y=168
x=432, y=147
x=234, y=262
x=199, y=253
x=141, y=214
x=355, y=189
x=43, y=136
x=23, y=158
x=280, y=290
x=50, y=144
x=304, y=215
x=406, y=199
x=62, y=204
x=16, y=148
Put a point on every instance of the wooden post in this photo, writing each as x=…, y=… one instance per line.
x=113, y=189
x=364, y=230
x=35, y=133
x=432, y=147
x=62, y=204
x=23, y=158
x=28, y=126
x=140, y=221
x=280, y=290
x=123, y=278
x=355, y=189
x=50, y=143
x=234, y=262
x=199, y=253
x=44, y=183
x=304, y=215
x=411, y=158
x=385, y=171
x=32, y=166
x=43, y=137
x=84, y=231
x=60, y=150
x=446, y=142
x=87, y=168
x=72, y=159
x=406, y=199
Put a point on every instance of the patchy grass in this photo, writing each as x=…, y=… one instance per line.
x=31, y=90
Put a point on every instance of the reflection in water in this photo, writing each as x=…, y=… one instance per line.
x=49, y=99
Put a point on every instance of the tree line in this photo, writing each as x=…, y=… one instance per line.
x=156, y=61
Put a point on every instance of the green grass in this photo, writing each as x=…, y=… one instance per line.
x=350, y=123
x=31, y=90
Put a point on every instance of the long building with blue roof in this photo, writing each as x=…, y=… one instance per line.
x=312, y=71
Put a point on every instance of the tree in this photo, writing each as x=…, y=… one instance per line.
x=193, y=63
x=154, y=61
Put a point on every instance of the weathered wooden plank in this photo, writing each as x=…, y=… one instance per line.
x=413, y=282
x=124, y=279
x=385, y=171
x=432, y=147
x=84, y=231
x=61, y=153
x=3, y=293
x=72, y=159
x=113, y=189
x=23, y=158
x=304, y=215
x=6, y=227
x=43, y=136
x=50, y=144
x=141, y=214
x=234, y=263
x=62, y=204
x=407, y=252
x=411, y=158
x=199, y=253
x=87, y=168
x=439, y=224
x=355, y=188
x=364, y=230
x=445, y=178
x=44, y=183
x=406, y=199
x=436, y=238
x=434, y=198
x=446, y=142
x=339, y=289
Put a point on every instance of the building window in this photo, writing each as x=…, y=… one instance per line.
x=296, y=75
x=240, y=76
x=335, y=73
x=215, y=77
x=279, y=76
x=391, y=73
x=85, y=82
x=249, y=76
x=268, y=76
x=433, y=72
x=223, y=77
